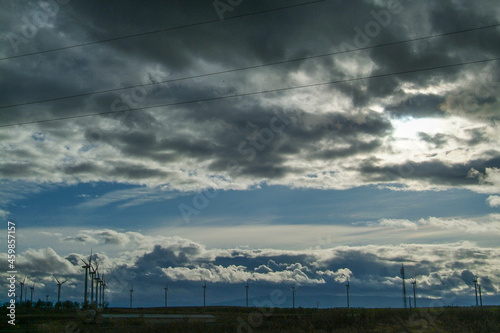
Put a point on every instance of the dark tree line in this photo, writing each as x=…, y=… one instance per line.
x=45, y=305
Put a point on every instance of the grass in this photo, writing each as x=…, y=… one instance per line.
x=239, y=319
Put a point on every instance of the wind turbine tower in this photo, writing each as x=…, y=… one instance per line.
x=32, y=288
x=204, y=291
x=92, y=273
x=59, y=284
x=166, y=294
x=22, y=287
x=96, y=278
x=404, y=285
x=103, y=289
x=348, y=286
x=246, y=287
x=414, y=283
x=480, y=296
x=99, y=291
x=475, y=288
x=87, y=268
x=293, y=297
x=131, y=291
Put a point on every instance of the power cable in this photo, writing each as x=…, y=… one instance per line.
x=159, y=30
x=248, y=67
x=252, y=93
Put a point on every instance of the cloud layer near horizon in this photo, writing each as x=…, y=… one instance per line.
x=151, y=261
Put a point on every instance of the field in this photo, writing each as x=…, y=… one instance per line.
x=238, y=319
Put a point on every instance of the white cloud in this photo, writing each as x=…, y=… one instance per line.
x=373, y=267
x=3, y=213
x=80, y=238
x=341, y=275
x=486, y=224
x=44, y=260
x=493, y=200
x=398, y=223
x=128, y=197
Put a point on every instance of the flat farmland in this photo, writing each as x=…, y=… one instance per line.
x=240, y=319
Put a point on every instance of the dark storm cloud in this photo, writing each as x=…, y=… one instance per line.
x=249, y=40
x=438, y=140
x=418, y=106
x=433, y=172
x=14, y=170
x=447, y=14
x=80, y=238
x=255, y=37
x=258, y=139
x=478, y=135
x=161, y=257
x=252, y=138
x=137, y=171
x=82, y=168
x=444, y=17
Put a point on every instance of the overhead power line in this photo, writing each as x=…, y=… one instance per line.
x=248, y=67
x=160, y=30
x=253, y=93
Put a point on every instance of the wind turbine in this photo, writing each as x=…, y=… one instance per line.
x=293, y=297
x=204, y=291
x=22, y=287
x=47, y=298
x=131, y=291
x=404, y=285
x=166, y=294
x=480, y=297
x=103, y=288
x=32, y=288
x=95, y=274
x=59, y=284
x=246, y=287
x=414, y=283
x=100, y=291
x=92, y=273
x=348, y=286
x=475, y=288
x=87, y=267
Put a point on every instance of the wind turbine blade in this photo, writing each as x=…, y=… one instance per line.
x=56, y=279
x=86, y=263
x=63, y=282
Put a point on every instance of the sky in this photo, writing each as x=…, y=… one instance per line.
x=279, y=143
